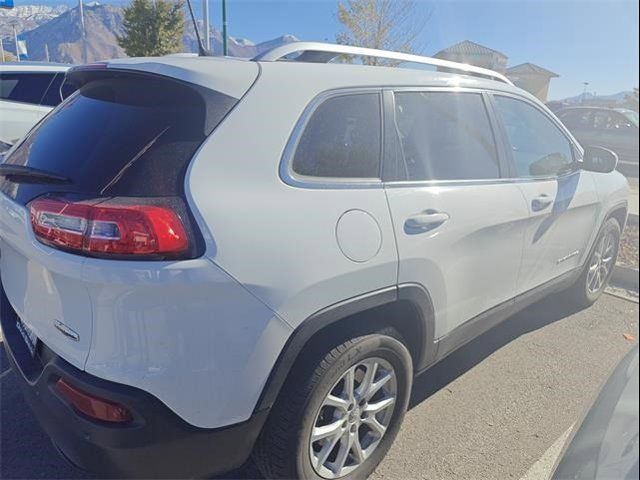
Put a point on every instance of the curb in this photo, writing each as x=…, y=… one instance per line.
x=625, y=277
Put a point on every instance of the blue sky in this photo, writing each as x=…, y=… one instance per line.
x=596, y=42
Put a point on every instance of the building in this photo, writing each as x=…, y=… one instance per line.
x=474, y=54
x=532, y=78
x=528, y=76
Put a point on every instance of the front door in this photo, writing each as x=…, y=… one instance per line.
x=458, y=225
x=562, y=200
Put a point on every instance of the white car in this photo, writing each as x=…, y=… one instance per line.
x=28, y=91
x=206, y=257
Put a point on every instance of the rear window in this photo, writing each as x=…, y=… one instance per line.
x=123, y=135
x=24, y=87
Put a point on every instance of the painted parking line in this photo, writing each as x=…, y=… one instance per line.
x=542, y=469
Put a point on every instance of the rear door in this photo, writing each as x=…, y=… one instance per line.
x=561, y=199
x=20, y=102
x=459, y=226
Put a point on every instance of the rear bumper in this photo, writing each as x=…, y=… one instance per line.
x=156, y=443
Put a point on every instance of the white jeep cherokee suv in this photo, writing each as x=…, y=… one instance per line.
x=205, y=257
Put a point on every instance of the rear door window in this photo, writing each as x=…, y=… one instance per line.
x=121, y=135
x=342, y=139
x=24, y=87
x=444, y=136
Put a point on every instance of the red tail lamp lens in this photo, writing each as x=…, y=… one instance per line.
x=111, y=227
x=92, y=406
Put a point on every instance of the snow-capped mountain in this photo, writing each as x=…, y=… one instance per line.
x=27, y=17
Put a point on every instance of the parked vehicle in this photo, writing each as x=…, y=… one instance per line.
x=605, y=445
x=28, y=91
x=612, y=128
x=206, y=257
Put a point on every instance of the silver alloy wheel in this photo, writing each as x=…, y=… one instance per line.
x=353, y=418
x=601, y=263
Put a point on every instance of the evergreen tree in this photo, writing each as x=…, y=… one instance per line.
x=152, y=28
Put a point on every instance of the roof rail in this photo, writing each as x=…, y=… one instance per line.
x=317, y=52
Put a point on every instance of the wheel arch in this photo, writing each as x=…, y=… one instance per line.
x=620, y=213
x=407, y=308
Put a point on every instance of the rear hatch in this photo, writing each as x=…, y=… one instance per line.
x=129, y=132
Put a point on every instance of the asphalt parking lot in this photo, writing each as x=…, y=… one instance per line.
x=498, y=408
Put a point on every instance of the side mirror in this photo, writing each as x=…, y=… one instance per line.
x=599, y=159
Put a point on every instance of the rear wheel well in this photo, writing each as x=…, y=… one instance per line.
x=401, y=316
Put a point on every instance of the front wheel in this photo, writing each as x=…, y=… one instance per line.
x=599, y=267
x=337, y=418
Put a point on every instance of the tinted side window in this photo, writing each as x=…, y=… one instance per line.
x=342, y=139
x=24, y=87
x=444, y=136
x=539, y=148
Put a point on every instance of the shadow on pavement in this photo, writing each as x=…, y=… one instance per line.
x=543, y=313
x=26, y=452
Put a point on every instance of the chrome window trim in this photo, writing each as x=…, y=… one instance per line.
x=485, y=181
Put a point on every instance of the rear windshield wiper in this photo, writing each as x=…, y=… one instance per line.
x=22, y=174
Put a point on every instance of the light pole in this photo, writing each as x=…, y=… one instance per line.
x=584, y=93
x=225, y=51
x=15, y=39
x=82, y=32
x=205, y=15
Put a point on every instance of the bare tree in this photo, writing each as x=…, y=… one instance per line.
x=382, y=24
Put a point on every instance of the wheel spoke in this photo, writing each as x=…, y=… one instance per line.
x=343, y=453
x=337, y=402
x=375, y=387
x=367, y=380
x=326, y=430
x=375, y=408
x=349, y=384
x=326, y=450
x=375, y=425
x=358, y=452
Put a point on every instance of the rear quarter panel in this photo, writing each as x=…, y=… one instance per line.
x=279, y=240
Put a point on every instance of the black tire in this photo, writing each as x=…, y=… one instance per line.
x=580, y=293
x=282, y=451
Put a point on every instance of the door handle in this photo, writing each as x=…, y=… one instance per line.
x=427, y=220
x=541, y=202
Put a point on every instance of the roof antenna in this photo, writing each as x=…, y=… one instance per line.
x=202, y=52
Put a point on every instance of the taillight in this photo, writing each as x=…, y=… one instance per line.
x=92, y=406
x=106, y=228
